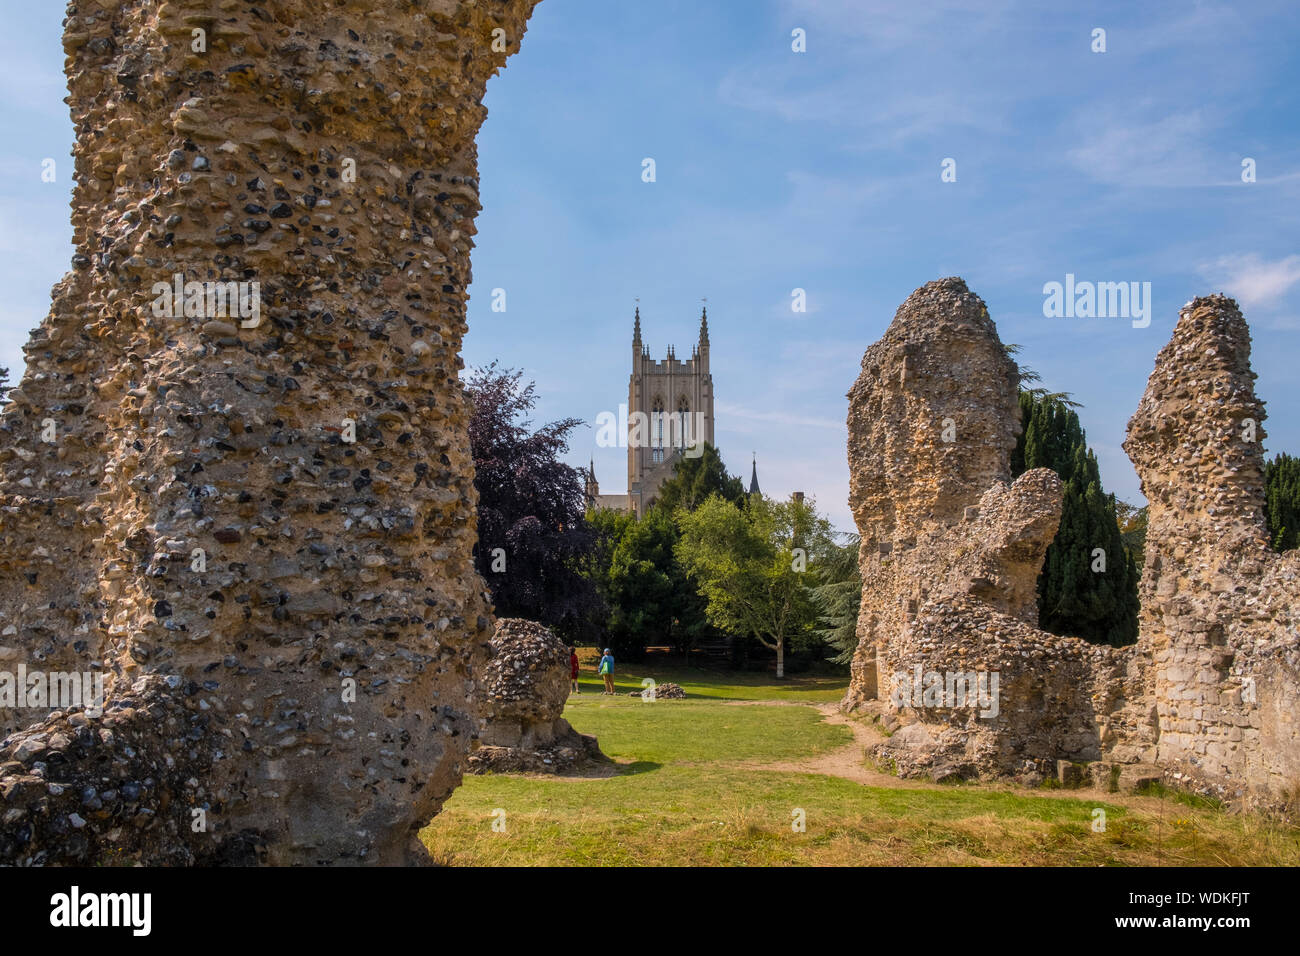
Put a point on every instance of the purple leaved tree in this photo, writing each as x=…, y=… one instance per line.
x=533, y=534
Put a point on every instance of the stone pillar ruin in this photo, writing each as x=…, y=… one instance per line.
x=265, y=516
x=1220, y=610
x=932, y=422
x=951, y=551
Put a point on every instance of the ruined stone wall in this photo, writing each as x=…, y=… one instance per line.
x=951, y=551
x=935, y=374
x=323, y=560
x=1219, y=609
x=950, y=554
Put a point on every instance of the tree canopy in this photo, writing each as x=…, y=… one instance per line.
x=1088, y=585
x=1282, y=501
x=751, y=564
x=694, y=479
x=533, y=536
x=837, y=595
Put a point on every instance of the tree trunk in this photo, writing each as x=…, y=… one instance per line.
x=780, y=657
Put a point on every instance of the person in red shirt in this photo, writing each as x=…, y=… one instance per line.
x=573, y=669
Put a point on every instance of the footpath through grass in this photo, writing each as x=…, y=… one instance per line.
x=690, y=788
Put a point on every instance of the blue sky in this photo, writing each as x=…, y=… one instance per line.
x=778, y=170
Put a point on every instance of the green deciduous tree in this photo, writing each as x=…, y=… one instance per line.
x=751, y=565
x=635, y=568
x=643, y=591
x=608, y=529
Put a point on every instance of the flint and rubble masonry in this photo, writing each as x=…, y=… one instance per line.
x=57, y=690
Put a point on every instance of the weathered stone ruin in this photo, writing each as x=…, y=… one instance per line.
x=951, y=550
x=270, y=509
x=949, y=648
x=522, y=693
x=665, y=691
x=1220, y=611
x=251, y=506
x=115, y=788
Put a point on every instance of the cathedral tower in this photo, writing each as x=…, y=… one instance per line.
x=676, y=400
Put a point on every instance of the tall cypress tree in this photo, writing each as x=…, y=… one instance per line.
x=1282, y=501
x=1082, y=591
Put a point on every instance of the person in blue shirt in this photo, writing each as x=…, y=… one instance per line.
x=607, y=671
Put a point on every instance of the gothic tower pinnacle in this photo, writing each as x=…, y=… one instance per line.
x=669, y=413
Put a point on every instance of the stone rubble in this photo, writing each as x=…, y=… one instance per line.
x=523, y=690
x=665, y=691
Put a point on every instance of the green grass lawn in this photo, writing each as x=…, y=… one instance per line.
x=691, y=788
x=721, y=684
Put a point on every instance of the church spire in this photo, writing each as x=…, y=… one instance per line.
x=636, y=328
x=753, y=478
x=704, y=327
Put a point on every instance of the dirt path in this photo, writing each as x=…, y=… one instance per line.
x=848, y=762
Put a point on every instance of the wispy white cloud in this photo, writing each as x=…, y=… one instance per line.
x=891, y=122
x=1133, y=150
x=1201, y=24
x=1253, y=280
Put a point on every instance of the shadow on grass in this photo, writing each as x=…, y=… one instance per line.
x=637, y=766
x=721, y=687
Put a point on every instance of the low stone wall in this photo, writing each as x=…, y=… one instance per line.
x=129, y=786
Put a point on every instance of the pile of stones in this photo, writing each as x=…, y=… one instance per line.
x=523, y=691
x=665, y=691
